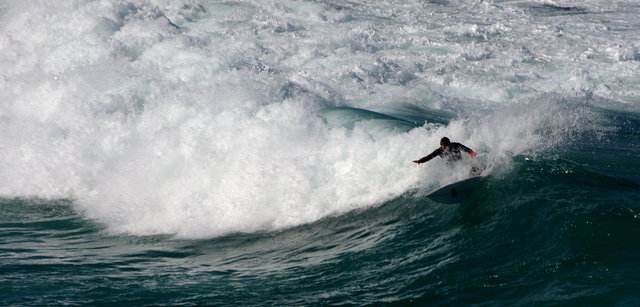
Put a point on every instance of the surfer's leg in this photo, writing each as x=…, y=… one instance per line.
x=475, y=171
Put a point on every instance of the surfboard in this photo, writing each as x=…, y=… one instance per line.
x=457, y=191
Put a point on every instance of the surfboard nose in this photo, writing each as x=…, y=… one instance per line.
x=457, y=191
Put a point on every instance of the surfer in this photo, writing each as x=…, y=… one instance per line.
x=452, y=152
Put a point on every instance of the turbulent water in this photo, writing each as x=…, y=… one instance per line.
x=247, y=153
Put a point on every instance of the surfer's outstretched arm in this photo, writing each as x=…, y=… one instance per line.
x=424, y=159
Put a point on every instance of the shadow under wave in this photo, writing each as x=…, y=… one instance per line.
x=551, y=10
x=398, y=119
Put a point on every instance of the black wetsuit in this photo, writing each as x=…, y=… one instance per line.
x=452, y=154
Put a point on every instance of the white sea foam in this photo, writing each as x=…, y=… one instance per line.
x=204, y=118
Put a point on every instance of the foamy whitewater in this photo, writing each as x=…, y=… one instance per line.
x=268, y=145
x=205, y=118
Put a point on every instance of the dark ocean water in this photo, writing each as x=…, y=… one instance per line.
x=253, y=153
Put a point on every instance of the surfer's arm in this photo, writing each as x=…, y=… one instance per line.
x=468, y=150
x=472, y=153
x=424, y=159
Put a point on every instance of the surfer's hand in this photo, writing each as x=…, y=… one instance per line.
x=416, y=161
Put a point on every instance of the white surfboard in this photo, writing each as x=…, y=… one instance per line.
x=457, y=191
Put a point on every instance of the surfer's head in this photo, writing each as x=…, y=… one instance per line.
x=444, y=142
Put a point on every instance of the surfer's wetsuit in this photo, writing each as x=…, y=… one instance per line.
x=452, y=153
